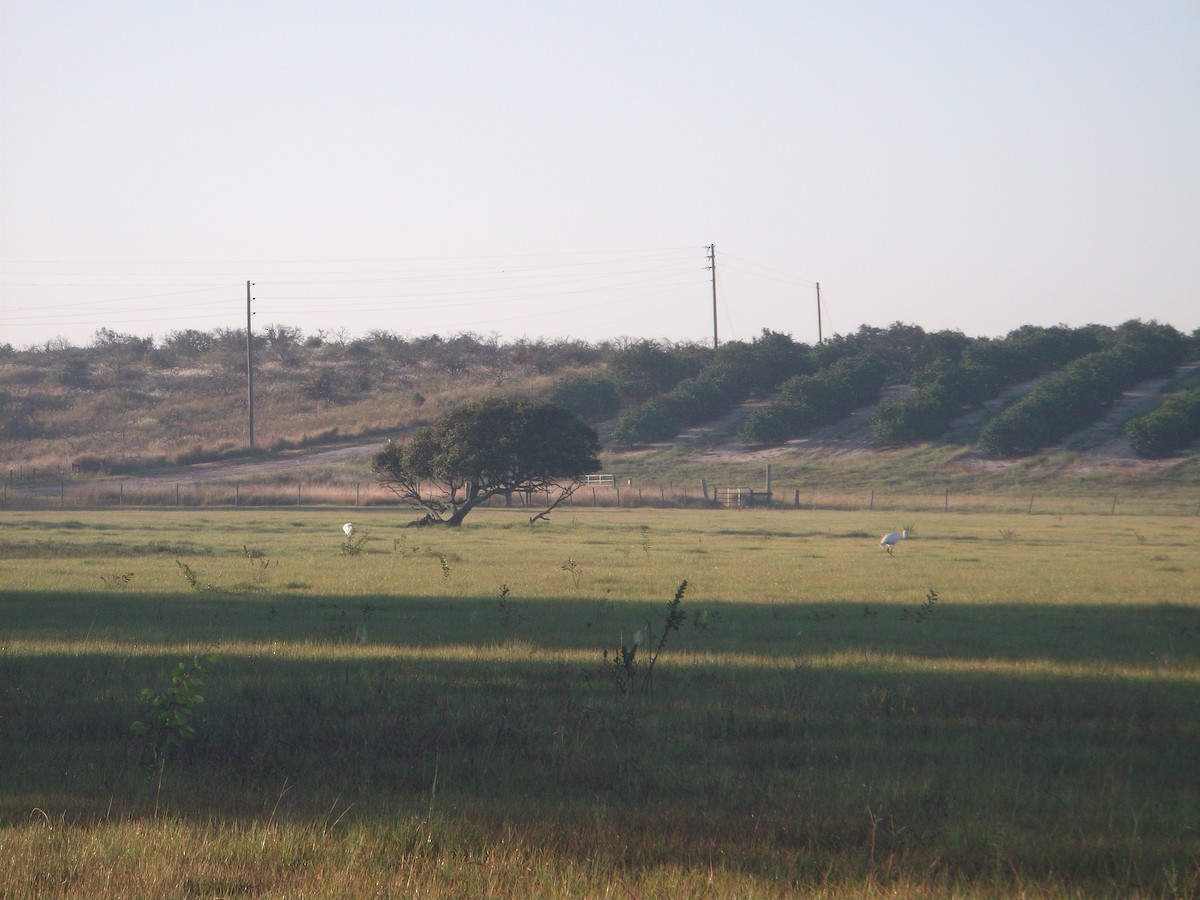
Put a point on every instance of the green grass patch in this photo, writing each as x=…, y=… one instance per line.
x=441, y=715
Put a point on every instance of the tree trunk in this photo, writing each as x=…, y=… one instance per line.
x=475, y=498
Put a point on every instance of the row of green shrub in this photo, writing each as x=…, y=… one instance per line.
x=736, y=371
x=949, y=386
x=1170, y=427
x=664, y=390
x=952, y=374
x=809, y=401
x=1083, y=390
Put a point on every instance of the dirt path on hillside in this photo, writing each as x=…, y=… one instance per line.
x=248, y=468
x=225, y=470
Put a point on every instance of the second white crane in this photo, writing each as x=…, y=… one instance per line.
x=891, y=540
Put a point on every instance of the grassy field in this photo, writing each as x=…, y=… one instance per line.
x=1009, y=706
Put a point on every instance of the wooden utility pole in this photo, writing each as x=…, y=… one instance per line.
x=820, y=337
x=249, y=367
x=712, y=264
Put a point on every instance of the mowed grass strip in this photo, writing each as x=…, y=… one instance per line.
x=990, y=712
x=760, y=556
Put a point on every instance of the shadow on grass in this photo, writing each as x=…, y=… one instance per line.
x=953, y=739
x=1095, y=634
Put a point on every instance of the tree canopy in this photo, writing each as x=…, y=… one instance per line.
x=489, y=448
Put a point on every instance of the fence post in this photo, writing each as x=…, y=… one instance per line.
x=62, y=493
x=298, y=492
x=177, y=493
x=356, y=486
x=872, y=506
x=946, y=502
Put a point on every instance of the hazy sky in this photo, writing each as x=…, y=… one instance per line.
x=558, y=169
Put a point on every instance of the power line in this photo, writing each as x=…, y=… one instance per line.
x=489, y=289
x=785, y=277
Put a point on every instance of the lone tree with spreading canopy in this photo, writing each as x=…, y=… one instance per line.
x=485, y=449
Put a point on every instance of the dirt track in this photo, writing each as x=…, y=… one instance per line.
x=221, y=471
x=295, y=459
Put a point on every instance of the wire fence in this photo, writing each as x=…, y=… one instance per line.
x=67, y=493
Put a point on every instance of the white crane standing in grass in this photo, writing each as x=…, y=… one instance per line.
x=349, y=529
x=891, y=540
